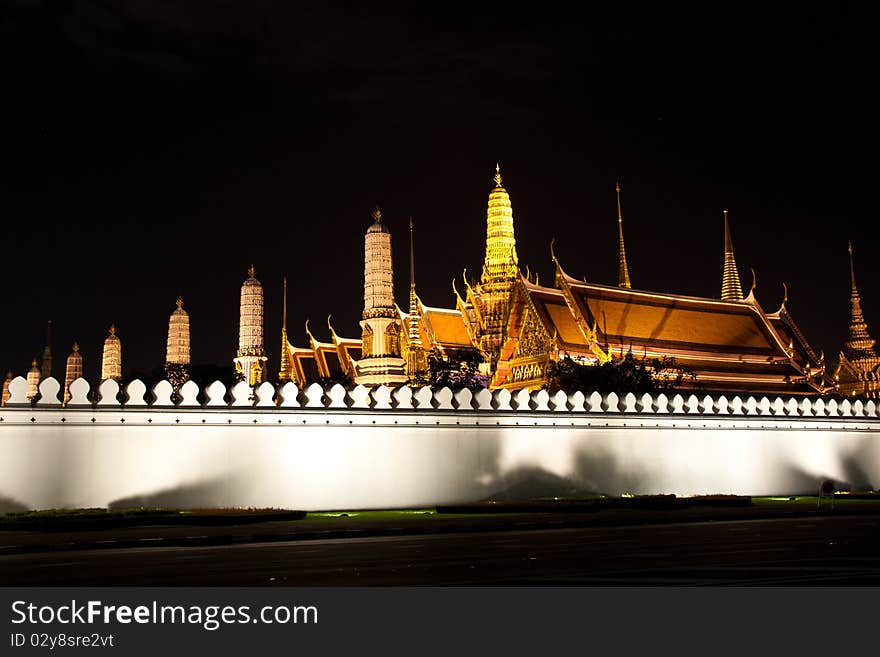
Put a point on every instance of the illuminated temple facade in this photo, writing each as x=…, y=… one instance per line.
x=518, y=327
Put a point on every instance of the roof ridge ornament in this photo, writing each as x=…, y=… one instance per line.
x=622, y=268
x=497, y=177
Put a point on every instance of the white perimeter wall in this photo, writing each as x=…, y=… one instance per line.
x=368, y=458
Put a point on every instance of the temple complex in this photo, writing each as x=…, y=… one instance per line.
x=518, y=327
x=250, y=361
x=858, y=371
x=111, y=360
x=73, y=371
x=515, y=327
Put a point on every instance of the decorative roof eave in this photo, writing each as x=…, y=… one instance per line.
x=589, y=333
x=462, y=307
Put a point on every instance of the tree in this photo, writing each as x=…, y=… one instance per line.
x=621, y=375
x=456, y=370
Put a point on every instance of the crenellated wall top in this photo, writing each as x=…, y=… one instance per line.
x=136, y=395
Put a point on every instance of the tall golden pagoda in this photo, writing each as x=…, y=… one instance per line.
x=73, y=371
x=250, y=361
x=111, y=360
x=731, y=288
x=622, y=269
x=381, y=327
x=487, y=302
x=858, y=372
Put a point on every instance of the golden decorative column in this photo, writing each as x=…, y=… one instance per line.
x=177, y=347
x=6, y=394
x=731, y=288
x=46, y=364
x=111, y=360
x=73, y=372
x=381, y=329
x=33, y=380
x=250, y=362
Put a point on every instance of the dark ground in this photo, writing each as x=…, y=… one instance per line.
x=752, y=546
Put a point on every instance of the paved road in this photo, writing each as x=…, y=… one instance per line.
x=792, y=551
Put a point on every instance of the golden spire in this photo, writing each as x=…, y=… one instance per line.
x=852, y=270
x=859, y=344
x=251, y=271
x=501, y=259
x=731, y=288
x=46, y=366
x=76, y=346
x=376, y=214
x=112, y=329
x=285, y=368
x=412, y=260
x=179, y=301
x=416, y=362
x=622, y=269
x=284, y=305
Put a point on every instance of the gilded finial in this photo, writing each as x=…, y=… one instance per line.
x=33, y=363
x=622, y=267
x=852, y=268
x=75, y=346
x=412, y=257
x=284, y=304
x=497, y=175
x=112, y=329
x=251, y=271
x=376, y=214
x=179, y=302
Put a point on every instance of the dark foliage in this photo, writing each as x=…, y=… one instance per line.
x=621, y=375
x=456, y=370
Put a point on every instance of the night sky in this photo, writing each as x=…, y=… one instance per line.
x=154, y=148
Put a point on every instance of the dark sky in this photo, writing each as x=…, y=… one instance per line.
x=154, y=148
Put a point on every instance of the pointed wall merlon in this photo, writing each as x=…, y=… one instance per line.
x=405, y=398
